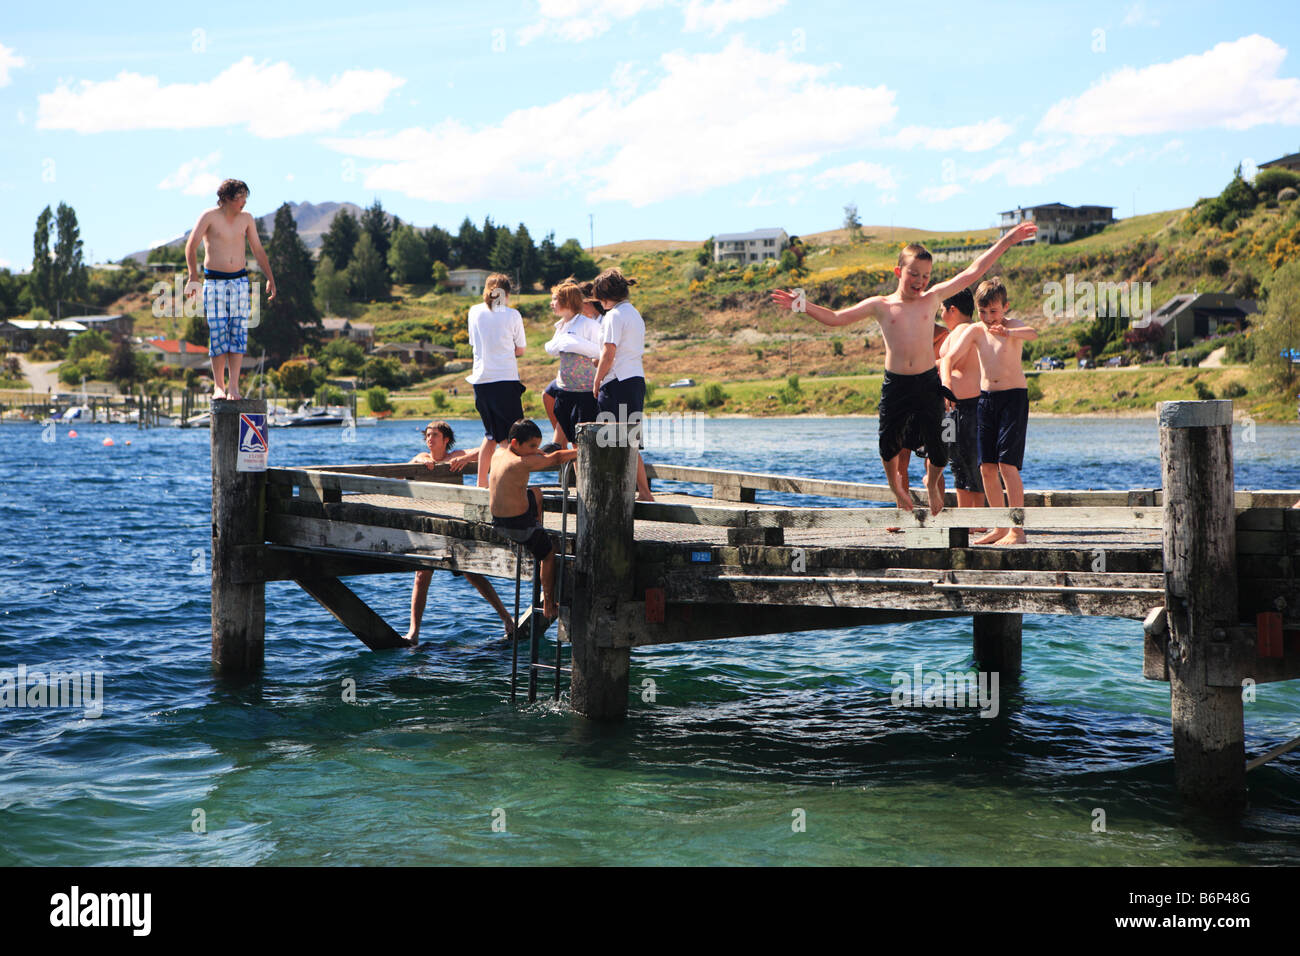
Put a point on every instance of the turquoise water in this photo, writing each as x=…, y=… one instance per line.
x=104, y=568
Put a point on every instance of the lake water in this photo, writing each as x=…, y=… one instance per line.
x=104, y=568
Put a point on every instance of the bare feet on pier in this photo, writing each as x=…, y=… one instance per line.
x=1014, y=536
x=993, y=537
x=219, y=394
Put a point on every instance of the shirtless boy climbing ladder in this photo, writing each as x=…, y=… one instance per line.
x=227, y=298
x=911, y=389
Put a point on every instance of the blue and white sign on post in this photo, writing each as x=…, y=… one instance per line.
x=253, y=446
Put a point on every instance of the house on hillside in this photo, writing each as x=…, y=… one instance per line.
x=114, y=327
x=176, y=352
x=467, y=281
x=1197, y=315
x=1056, y=221
x=742, y=247
x=363, y=333
x=1291, y=162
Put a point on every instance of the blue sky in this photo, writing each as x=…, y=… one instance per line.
x=662, y=118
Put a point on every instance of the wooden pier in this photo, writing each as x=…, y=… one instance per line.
x=1209, y=570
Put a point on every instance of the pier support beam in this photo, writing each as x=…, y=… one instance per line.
x=997, y=645
x=1200, y=553
x=238, y=506
x=604, y=563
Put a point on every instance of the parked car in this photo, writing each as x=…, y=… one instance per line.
x=1049, y=362
x=1086, y=363
x=683, y=383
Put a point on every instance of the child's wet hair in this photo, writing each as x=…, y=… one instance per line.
x=524, y=430
x=230, y=190
x=495, y=290
x=991, y=290
x=913, y=251
x=443, y=427
x=611, y=285
x=963, y=302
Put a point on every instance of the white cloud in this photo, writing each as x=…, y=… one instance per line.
x=969, y=139
x=577, y=20
x=939, y=193
x=267, y=97
x=4, y=264
x=675, y=138
x=1034, y=162
x=1235, y=85
x=1141, y=152
x=9, y=60
x=193, y=178
x=717, y=16
x=1137, y=16
x=761, y=197
x=854, y=173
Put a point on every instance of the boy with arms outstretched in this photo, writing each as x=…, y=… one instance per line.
x=1003, y=410
x=911, y=390
x=227, y=302
x=516, y=508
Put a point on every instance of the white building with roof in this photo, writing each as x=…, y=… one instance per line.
x=745, y=247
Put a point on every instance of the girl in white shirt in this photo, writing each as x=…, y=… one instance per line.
x=496, y=333
x=577, y=343
x=620, y=377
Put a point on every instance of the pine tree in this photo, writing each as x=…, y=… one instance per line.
x=374, y=222
x=367, y=275
x=69, y=279
x=341, y=239
x=525, y=258
x=42, y=277
x=330, y=286
x=438, y=243
x=280, y=334
x=408, y=259
x=503, y=253
x=467, y=248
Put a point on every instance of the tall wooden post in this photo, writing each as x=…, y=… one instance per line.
x=604, y=559
x=238, y=505
x=1200, y=558
x=997, y=645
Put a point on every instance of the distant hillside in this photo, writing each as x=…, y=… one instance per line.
x=313, y=222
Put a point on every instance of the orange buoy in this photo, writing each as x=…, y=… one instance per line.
x=108, y=442
x=72, y=434
x=128, y=441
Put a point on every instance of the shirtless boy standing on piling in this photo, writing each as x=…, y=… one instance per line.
x=516, y=508
x=227, y=302
x=911, y=389
x=1003, y=409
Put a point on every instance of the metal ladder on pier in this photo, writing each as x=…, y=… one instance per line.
x=536, y=621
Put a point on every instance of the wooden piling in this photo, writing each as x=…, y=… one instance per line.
x=1200, y=553
x=997, y=644
x=604, y=565
x=238, y=505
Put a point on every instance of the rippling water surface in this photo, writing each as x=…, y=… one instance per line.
x=104, y=568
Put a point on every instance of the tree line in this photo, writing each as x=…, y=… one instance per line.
x=366, y=254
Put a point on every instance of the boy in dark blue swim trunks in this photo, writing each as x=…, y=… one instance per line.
x=516, y=508
x=1003, y=410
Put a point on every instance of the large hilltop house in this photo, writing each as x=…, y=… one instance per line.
x=1056, y=221
x=749, y=246
x=467, y=281
x=1291, y=162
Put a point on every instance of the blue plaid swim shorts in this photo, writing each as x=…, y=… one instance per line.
x=227, y=306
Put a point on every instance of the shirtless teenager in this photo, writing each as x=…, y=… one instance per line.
x=1003, y=409
x=911, y=388
x=227, y=303
x=439, y=439
x=517, y=509
x=963, y=380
